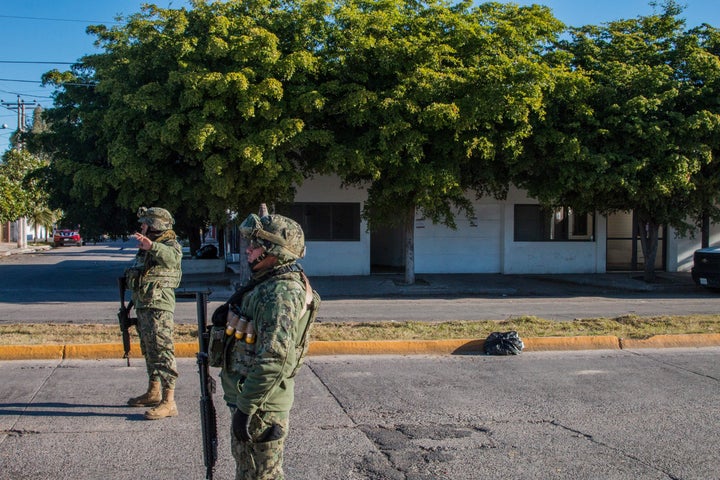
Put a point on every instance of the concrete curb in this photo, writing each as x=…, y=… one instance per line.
x=386, y=347
x=29, y=249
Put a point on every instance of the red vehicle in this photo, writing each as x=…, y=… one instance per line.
x=64, y=236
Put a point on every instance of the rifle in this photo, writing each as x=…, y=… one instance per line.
x=208, y=419
x=124, y=318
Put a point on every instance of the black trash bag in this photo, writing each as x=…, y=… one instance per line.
x=503, y=343
x=208, y=251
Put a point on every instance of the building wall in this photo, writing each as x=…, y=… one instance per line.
x=552, y=256
x=681, y=249
x=335, y=258
x=475, y=247
x=483, y=244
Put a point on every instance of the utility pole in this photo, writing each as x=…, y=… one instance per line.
x=21, y=228
x=19, y=106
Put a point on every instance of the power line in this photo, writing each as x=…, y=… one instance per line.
x=55, y=19
x=14, y=80
x=32, y=62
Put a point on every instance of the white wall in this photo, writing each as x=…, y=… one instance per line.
x=335, y=258
x=473, y=248
x=553, y=256
x=483, y=244
x=680, y=250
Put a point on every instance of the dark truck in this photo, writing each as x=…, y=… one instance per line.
x=706, y=267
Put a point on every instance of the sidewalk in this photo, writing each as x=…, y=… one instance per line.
x=11, y=248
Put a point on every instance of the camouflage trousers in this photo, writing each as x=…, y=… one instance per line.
x=261, y=459
x=155, y=328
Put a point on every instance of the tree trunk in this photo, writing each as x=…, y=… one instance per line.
x=705, y=229
x=649, y=234
x=195, y=240
x=410, y=246
x=221, y=241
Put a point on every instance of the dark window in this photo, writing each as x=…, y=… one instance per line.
x=534, y=223
x=326, y=221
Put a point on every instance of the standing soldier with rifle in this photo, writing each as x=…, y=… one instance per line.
x=259, y=337
x=153, y=278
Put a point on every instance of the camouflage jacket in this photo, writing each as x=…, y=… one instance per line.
x=263, y=372
x=156, y=273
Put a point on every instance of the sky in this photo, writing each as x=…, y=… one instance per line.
x=41, y=35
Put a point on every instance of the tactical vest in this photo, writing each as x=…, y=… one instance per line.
x=142, y=274
x=222, y=347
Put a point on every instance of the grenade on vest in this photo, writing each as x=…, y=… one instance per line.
x=237, y=326
x=250, y=334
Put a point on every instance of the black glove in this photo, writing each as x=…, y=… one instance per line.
x=219, y=316
x=241, y=425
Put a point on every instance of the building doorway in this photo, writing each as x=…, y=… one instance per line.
x=387, y=253
x=624, y=251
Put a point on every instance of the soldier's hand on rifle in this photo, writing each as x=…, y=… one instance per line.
x=144, y=243
x=241, y=425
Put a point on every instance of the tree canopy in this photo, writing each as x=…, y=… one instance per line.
x=226, y=105
x=201, y=111
x=429, y=100
x=21, y=192
x=628, y=125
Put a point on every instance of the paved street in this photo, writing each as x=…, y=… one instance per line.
x=648, y=414
x=78, y=285
x=610, y=414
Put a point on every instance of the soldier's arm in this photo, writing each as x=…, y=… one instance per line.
x=169, y=255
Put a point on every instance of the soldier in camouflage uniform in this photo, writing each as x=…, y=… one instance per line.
x=153, y=278
x=259, y=338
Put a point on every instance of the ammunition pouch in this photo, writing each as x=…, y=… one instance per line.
x=132, y=278
x=216, y=346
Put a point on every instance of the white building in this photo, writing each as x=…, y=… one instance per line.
x=512, y=236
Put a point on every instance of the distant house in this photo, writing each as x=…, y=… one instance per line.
x=513, y=236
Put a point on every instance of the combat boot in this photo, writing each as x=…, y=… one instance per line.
x=148, y=399
x=166, y=408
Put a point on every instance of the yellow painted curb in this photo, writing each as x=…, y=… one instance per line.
x=669, y=341
x=396, y=347
x=31, y=352
x=188, y=349
x=115, y=350
x=370, y=347
x=93, y=351
x=543, y=344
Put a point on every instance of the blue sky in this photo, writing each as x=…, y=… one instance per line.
x=39, y=31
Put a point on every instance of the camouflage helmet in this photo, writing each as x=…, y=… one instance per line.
x=280, y=236
x=156, y=218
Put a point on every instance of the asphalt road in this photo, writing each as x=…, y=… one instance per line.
x=77, y=285
x=646, y=414
x=610, y=414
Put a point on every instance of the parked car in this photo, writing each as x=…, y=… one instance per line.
x=64, y=236
x=706, y=267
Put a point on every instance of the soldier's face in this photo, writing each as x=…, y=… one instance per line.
x=253, y=253
x=143, y=228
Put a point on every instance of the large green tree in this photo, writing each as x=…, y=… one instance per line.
x=615, y=136
x=21, y=191
x=428, y=100
x=202, y=111
x=698, y=53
